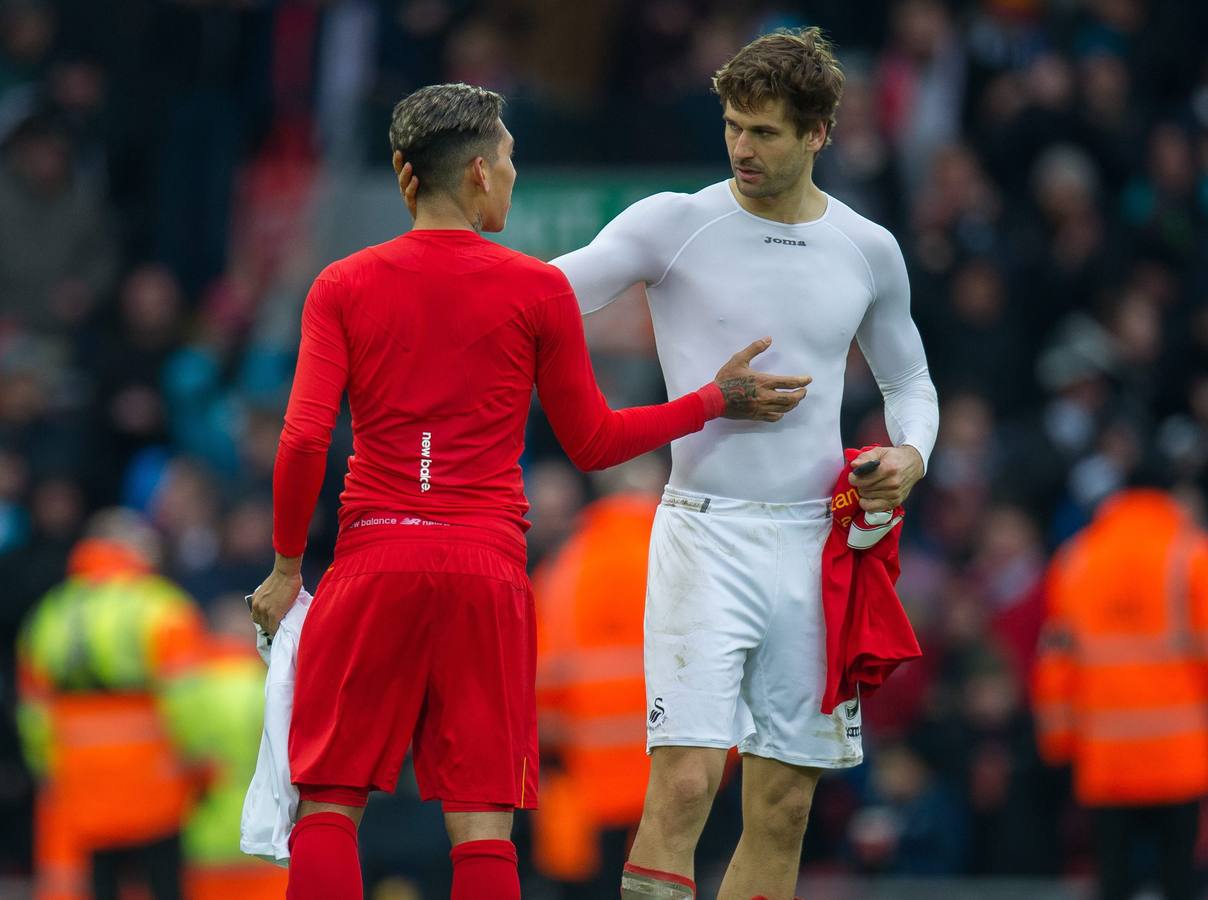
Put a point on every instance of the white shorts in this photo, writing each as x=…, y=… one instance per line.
x=735, y=649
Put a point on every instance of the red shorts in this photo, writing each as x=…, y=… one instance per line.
x=427, y=639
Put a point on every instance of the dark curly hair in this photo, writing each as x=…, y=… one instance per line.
x=797, y=66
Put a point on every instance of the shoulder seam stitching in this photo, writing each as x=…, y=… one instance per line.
x=685, y=244
x=864, y=259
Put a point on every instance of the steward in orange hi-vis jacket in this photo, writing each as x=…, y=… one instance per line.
x=1121, y=681
x=590, y=691
x=112, y=789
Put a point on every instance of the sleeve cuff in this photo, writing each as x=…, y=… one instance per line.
x=287, y=549
x=711, y=397
x=915, y=447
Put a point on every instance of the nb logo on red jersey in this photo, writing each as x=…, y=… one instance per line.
x=425, y=461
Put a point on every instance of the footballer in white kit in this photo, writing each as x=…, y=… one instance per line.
x=734, y=633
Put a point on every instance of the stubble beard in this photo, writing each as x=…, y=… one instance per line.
x=772, y=184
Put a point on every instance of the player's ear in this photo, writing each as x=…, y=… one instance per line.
x=397, y=161
x=482, y=179
x=815, y=138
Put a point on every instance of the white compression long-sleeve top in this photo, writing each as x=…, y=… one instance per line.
x=719, y=277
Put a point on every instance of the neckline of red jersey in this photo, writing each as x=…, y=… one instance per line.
x=444, y=232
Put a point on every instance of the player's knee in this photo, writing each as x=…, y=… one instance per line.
x=686, y=788
x=782, y=818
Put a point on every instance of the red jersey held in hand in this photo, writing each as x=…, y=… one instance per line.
x=438, y=338
x=867, y=632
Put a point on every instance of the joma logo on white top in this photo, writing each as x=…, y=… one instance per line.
x=425, y=461
x=790, y=243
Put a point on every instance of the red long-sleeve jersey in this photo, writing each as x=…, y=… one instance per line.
x=439, y=337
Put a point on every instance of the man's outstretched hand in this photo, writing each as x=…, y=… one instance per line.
x=757, y=395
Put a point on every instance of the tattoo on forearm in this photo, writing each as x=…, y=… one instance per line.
x=739, y=394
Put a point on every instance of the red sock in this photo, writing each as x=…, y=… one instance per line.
x=323, y=863
x=485, y=870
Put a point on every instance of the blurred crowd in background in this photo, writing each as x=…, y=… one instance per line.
x=1043, y=165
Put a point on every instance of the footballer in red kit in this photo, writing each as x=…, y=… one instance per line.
x=421, y=634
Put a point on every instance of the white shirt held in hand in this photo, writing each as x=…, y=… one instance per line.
x=271, y=804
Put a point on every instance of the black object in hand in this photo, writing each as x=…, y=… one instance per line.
x=866, y=468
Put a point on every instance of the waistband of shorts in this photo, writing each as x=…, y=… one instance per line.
x=804, y=511
x=371, y=528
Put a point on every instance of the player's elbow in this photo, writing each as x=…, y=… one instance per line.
x=925, y=387
x=914, y=383
x=586, y=460
x=300, y=441
x=589, y=455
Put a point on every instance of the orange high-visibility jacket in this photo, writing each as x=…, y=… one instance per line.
x=1121, y=680
x=590, y=690
x=90, y=657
